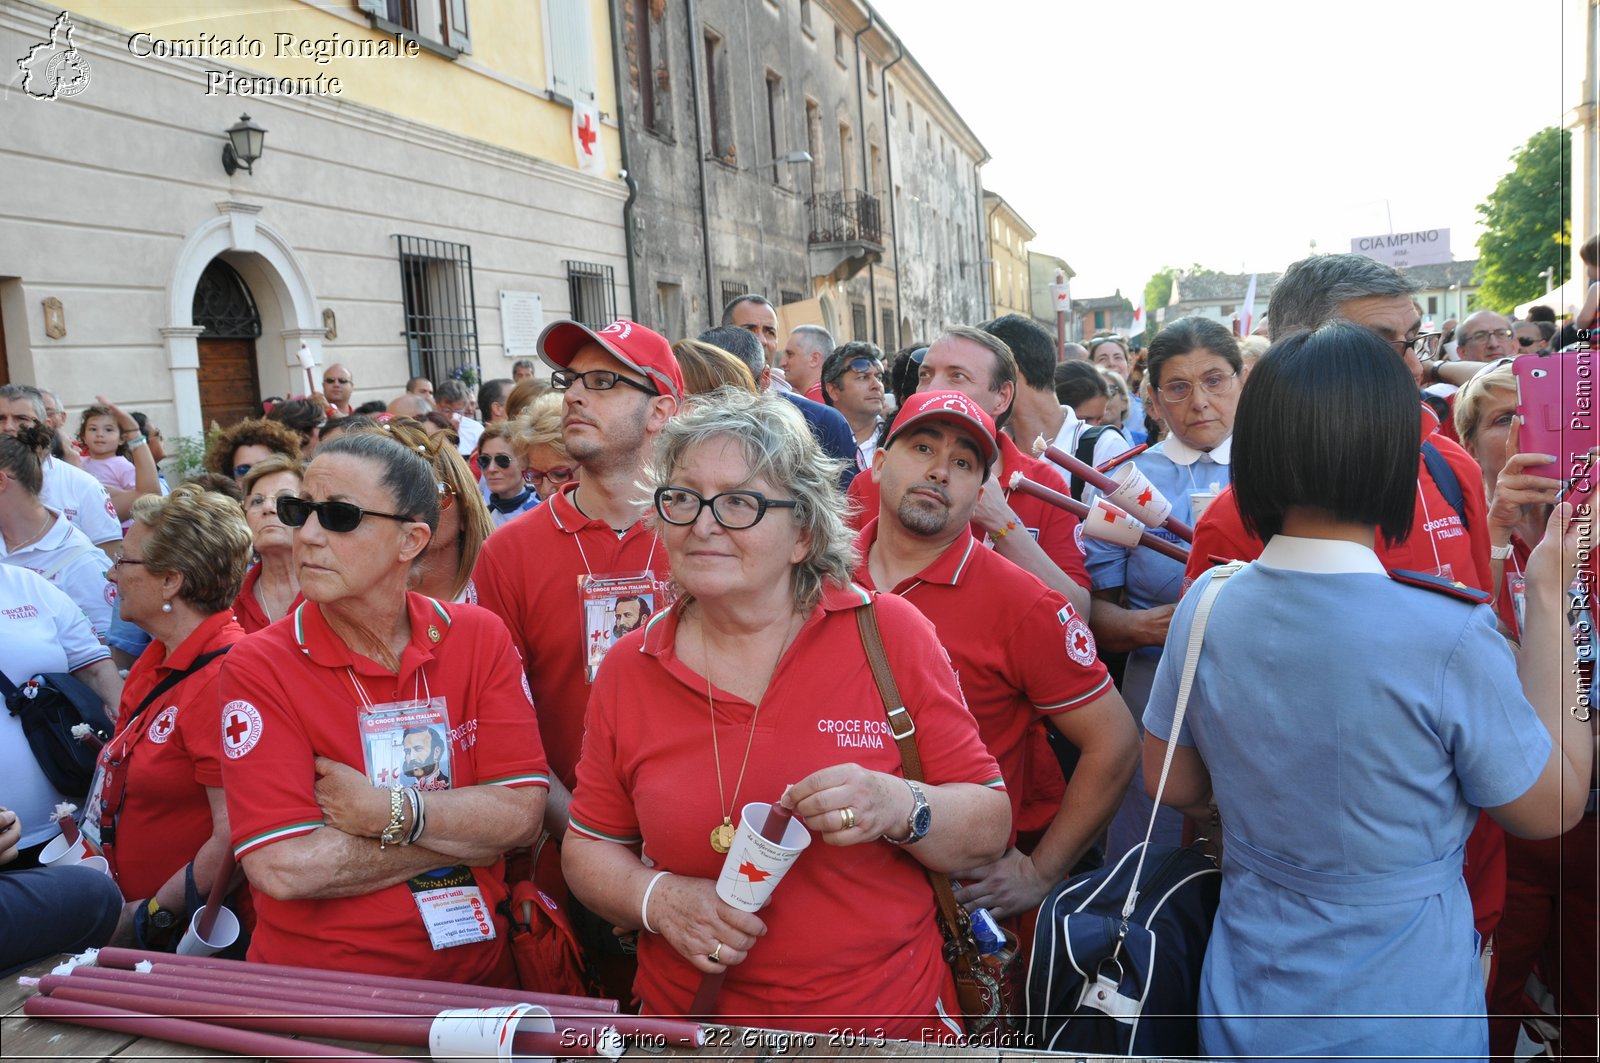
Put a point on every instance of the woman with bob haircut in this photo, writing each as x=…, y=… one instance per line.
x=381, y=749
x=762, y=650
x=237, y=448
x=156, y=806
x=1349, y=769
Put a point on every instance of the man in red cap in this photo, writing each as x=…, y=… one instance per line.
x=553, y=571
x=1021, y=650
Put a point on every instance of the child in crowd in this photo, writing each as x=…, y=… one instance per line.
x=104, y=460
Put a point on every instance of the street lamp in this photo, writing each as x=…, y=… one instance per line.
x=243, y=147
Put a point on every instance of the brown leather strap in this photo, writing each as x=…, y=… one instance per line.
x=957, y=926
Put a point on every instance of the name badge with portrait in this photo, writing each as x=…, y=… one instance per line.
x=613, y=605
x=407, y=743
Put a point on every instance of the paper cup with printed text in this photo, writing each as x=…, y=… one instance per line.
x=1199, y=502
x=61, y=853
x=1138, y=496
x=224, y=932
x=754, y=866
x=1110, y=524
x=462, y=1034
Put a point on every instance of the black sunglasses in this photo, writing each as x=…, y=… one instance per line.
x=502, y=460
x=333, y=516
x=1527, y=341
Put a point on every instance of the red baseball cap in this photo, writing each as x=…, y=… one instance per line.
x=953, y=408
x=628, y=342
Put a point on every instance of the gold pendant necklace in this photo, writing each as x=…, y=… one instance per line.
x=723, y=833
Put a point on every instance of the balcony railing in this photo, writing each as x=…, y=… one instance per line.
x=845, y=218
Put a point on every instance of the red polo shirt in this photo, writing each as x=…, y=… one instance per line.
x=288, y=696
x=1055, y=530
x=159, y=764
x=1437, y=537
x=1020, y=651
x=851, y=939
x=528, y=575
x=247, y=610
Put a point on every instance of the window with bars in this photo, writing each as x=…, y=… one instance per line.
x=887, y=338
x=731, y=290
x=789, y=295
x=858, y=321
x=441, y=314
x=593, y=291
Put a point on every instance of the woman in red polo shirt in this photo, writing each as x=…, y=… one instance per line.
x=762, y=651
x=379, y=747
x=156, y=805
x=271, y=587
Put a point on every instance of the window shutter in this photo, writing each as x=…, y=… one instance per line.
x=457, y=31
x=571, y=49
x=375, y=8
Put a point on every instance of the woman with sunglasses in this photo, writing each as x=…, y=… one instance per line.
x=381, y=749
x=156, y=807
x=1193, y=367
x=235, y=449
x=271, y=587
x=1351, y=724
x=762, y=649
x=505, y=491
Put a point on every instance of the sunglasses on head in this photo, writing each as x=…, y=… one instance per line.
x=501, y=460
x=333, y=516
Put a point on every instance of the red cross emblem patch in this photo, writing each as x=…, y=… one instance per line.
x=162, y=726
x=1080, y=641
x=241, y=728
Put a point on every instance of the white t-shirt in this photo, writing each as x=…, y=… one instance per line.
x=468, y=430
x=65, y=556
x=42, y=630
x=68, y=489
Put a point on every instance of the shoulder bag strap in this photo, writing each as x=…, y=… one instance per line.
x=1444, y=478
x=1191, y=661
x=904, y=731
x=8, y=689
x=177, y=677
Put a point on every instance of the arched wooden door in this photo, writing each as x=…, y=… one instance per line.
x=230, y=388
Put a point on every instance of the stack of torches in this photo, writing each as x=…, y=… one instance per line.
x=1105, y=509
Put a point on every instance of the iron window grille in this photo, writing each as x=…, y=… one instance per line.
x=592, y=289
x=789, y=295
x=223, y=305
x=731, y=290
x=441, y=315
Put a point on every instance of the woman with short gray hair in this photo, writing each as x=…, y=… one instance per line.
x=762, y=647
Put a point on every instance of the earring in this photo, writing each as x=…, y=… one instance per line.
x=166, y=607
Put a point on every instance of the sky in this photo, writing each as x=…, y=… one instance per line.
x=1137, y=134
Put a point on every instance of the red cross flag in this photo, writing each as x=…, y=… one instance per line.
x=586, y=143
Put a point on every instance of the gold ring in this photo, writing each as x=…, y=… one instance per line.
x=715, y=956
x=847, y=816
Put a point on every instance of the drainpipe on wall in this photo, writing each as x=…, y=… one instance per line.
x=696, y=73
x=618, y=55
x=861, y=116
x=888, y=164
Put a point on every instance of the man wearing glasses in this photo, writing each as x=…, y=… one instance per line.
x=620, y=385
x=852, y=383
x=1485, y=336
x=338, y=384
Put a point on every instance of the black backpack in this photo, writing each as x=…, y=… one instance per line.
x=50, y=705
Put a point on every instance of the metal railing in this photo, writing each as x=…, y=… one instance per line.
x=844, y=218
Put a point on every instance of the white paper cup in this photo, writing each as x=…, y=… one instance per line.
x=1199, y=502
x=754, y=866
x=61, y=853
x=1110, y=524
x=96, y=863
x=1139, y=497
x=224, y=932
x=463, y=1034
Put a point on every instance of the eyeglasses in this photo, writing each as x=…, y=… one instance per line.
x=595, y=380
x=260, y=502
x=1405, y=347
x=734, y=510
x=500, y=460
x=558, y=475
x=119, y=561
x=333, y=516
x=1527, y=341
x=335, y=380
x=1214, y=383
x=241, y=471
x=1483, y=334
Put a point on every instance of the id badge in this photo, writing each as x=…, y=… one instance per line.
x=1518, y=586
x=611, y=606
x=407, y=743
x=452, y=907
x=94, y=805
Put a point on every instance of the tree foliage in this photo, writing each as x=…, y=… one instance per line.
x=1158, y=291
x=1527, y=222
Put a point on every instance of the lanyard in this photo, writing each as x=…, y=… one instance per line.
x=1427, y=526
x=577, y=538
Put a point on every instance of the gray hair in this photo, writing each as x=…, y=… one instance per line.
x=815, y=337
x=780, y=449
x=741, y=343
x=1310, y=292
x=406, y=474
x=525, y=363
x=748, y=297
x=451, y=391
x=27, y=393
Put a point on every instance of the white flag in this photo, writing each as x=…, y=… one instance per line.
x=586, y=139
x=1137, y=328
x=1247, y=312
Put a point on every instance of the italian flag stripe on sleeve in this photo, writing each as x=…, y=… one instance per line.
x=590, y=832
x=996, y=784
x=1079, y=700
x=530, y=778
x=277, y=834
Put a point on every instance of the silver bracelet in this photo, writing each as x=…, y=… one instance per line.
x=644, y=905
x=135, y=443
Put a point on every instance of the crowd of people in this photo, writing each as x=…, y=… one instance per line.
x=376, y=652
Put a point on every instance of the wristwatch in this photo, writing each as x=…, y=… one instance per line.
x=395, y=831
x=919, y=822
x=159, y=917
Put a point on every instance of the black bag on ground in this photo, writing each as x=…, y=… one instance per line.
x=1097, y=984
x=50, y=705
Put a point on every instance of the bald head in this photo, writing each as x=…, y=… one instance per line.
x=338, y=383
x=409, y=405
x=1483, y=337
